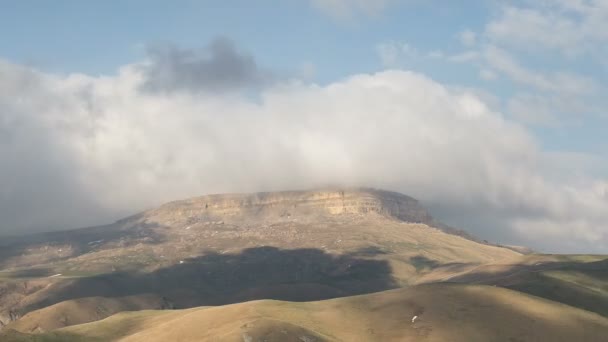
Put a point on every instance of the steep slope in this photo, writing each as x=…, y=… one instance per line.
x=444, y=312
x=221, y=249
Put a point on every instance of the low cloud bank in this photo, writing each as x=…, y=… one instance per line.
x=78, y=150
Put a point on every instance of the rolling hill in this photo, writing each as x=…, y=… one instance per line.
x=326, y=265
x=577, y=280
x=443, y=312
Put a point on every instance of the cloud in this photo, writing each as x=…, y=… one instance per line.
x=466, y=56
x=307, y=71
x=572, y=28
x=548, y=110
x=533, y=109
x=219, y=67
x=394, y=53
x=81, y=149
x=487, y=74
x=349, y=9
x=552, y=50
x=467, y=38
x=558, y=82
x=37, y=187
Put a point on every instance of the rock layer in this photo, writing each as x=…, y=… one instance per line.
x=293, y=205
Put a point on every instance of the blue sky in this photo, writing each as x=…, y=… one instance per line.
x=98, y=37
x=537, y=69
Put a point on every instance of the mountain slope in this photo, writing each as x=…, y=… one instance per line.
x=445, y=312
x=577, y=280
x=83, y=310
x=222, y=249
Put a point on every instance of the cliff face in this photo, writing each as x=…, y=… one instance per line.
x=293, y=205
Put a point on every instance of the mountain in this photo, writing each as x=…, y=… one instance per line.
x=436, y=312
x=323, y=265
x=222, y=249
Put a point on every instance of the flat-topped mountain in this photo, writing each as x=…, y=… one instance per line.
x=220, y=249
x=295, y=246
x=291, y=205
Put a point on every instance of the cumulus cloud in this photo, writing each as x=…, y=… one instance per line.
x=77, y=150
x=218, y=67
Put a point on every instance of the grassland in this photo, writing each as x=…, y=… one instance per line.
x=445, y=312
x=576, y=280
x=382, y=268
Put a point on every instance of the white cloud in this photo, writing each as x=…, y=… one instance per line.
x=104, y=146
x=558, y=82
x=393, y=53
x=307, y=71
x=572, y=28
x=553, y=50
x=467, y=38
x=487, y=74
x=548, y=110
x=532, y=109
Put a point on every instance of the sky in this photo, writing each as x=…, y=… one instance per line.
x=491, y=113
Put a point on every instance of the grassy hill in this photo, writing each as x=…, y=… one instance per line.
x=222, y=249
x=445, y=312
x=83, y=310
x=335, y=265
x=577, y=280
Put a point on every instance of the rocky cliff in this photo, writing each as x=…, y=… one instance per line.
x=219, y=249
x=292, y=205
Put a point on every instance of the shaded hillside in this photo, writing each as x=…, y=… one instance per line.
x=84, y=310
x=444, y=312
x=216, y=279
x=577, y=280
x=223, y=249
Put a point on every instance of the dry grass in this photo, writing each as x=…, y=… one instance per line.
x=82, y=310
x=446, y=312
